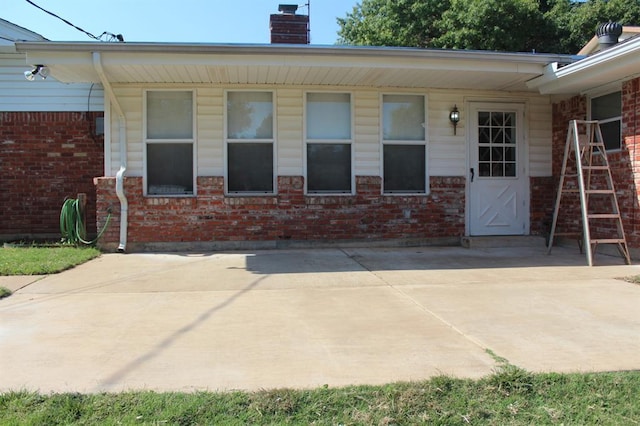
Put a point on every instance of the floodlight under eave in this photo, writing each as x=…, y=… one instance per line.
x=37, y=70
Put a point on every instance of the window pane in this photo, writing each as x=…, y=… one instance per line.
x=329, y=167
x=169, y=115
x=250, y=167
x=403, y=117
x=169, y=168
x=328, y=116
x=249, y=115
x=404, y=168
x=611, y=134
x=607, y=106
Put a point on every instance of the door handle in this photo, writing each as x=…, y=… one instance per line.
x=473, y=173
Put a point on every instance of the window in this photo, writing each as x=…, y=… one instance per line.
x=328, y=137
x=169, y=143
x=250, y=143
x=497, y=144
x=608, y=110
x=404, y=144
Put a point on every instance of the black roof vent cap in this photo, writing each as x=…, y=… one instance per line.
x=608, y=34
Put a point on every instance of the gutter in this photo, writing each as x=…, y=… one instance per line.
x=122, y=125
x=297, y=50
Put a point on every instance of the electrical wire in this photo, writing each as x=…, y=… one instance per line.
x=112, y=37
x=72, y=226
x=62, y=19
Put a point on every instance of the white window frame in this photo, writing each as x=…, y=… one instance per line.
x=228, y=140
x=424, y=143
x=349, y=142
x=611, y=119
x=147, y=141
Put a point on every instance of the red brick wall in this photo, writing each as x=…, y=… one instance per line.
x=45, y=157
x=290, y=215
x=541, y=206
x=624, y=165
x=628, y=176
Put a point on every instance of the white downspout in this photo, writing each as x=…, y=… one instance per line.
x=122, y=124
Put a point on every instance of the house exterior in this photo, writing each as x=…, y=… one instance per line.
x=227, y=146
x=49, y=146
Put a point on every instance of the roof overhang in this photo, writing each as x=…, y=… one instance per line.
x=178, y=63
x=618, y=63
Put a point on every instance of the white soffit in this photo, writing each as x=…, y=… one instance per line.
x=290, y=65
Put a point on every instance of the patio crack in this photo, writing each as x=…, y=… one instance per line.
x=419, y=305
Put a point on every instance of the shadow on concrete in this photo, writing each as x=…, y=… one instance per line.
x=117, y=378
x=418, y=258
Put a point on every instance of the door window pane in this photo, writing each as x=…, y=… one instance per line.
x=404, y=168
x=403, y=117
x=497, y=144
x=169, y=115
x=250, y=167
x=328, y=116
x=329, y=167
x=249, y=115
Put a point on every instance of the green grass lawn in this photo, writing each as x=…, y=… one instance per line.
x=43, y=260
x=510, y=396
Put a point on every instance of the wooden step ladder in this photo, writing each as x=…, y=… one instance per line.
x=585, y=171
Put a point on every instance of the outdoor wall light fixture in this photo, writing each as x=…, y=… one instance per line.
x=454, y=116
x=38, y=69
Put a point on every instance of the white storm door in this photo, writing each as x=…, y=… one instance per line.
x=498, y=181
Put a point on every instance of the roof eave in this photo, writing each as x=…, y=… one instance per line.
x=617, y=63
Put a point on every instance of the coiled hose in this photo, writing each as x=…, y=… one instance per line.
x=72, y=226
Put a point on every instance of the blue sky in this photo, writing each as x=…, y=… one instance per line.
x=202, y=21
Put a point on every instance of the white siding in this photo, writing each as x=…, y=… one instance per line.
x=210, y=131
x=367, y=133
x=130, y=100
x=540, y=131
x=447, y=152
x=19, y=94
x=289, y=113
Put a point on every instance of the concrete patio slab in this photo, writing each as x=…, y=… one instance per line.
x=306, y=318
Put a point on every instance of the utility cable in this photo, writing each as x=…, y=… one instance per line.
x=112, y=37
x=72, y=226
x=62, y=19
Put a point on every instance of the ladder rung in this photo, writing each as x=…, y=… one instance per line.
x=595, y=167
x=567, y=234
x=598, y=191
x=608, y=241
x=603, y=216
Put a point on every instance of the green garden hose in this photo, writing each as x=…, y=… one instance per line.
x=72, y=226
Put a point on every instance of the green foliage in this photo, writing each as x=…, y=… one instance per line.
x=4, y=292
x=392, y=23
x=491, y=25
x=510, y=396
x=554, y=26
x=42, y=260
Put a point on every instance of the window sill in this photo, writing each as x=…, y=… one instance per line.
x=171, y=195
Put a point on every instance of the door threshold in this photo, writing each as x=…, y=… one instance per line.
x=498, y=241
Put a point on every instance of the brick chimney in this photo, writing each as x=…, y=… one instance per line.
x=287, y=27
